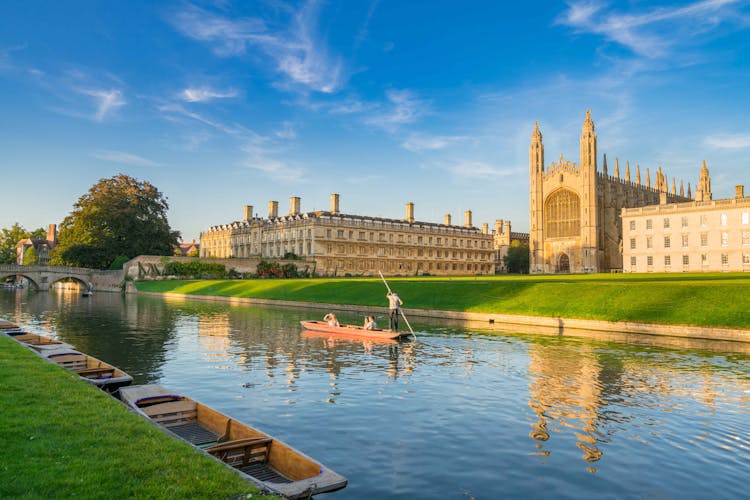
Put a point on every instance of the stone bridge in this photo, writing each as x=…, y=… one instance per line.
x=41, y=277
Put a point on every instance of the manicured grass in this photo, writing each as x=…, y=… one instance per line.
x=719, y=299
x=62, y=438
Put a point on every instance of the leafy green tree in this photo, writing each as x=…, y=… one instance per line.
x=517, y=259
x=118, y=216
x=30, y=256
x=8, y=240
x=38, y=234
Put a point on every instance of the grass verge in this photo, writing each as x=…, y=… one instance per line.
x=710, y=300
x=62, y=438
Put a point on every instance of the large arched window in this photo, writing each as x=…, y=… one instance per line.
x=562, y=215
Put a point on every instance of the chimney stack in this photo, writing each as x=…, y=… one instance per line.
x=447, y=219
x=52, y=234
x=467, y=218
x=485, y=228
x=739, y=191
x=273, y=209
x=248, y=213
x=335, y=203
x=294, y=203
x=410, y=212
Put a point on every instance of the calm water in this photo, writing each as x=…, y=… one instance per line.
x=458, y=414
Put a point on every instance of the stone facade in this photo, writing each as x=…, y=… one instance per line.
x=699, y=236
x=42, y=247
x=361, y=245
x=575, y=209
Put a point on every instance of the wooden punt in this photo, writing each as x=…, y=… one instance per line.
x=271, y=464
x=40, y=342
x=7, y=325
x=90, y=369
x=347, y=338
x=322, y=326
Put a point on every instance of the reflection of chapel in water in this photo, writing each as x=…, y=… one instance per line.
x=567, y=390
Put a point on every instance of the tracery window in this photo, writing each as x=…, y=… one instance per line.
x=562, y=214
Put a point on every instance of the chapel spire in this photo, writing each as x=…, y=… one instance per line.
x=703, y=190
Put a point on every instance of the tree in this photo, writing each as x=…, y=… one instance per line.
x=118, y=216
x=30, y=256
x=8, y=240
x=517, y=259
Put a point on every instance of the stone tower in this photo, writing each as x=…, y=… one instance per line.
x=536, y=167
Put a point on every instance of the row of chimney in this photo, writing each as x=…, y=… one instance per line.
x=294, y=209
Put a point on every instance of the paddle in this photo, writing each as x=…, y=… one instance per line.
x=399, y=309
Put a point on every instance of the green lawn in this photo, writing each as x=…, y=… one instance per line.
x=716, y=299
x=62, y=438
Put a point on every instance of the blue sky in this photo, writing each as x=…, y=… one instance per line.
x=221, y=104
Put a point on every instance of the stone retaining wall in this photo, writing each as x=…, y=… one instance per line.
x=509, y=322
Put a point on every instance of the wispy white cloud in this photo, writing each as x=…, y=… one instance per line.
x=728, y=141
x=403, y=107
x=299, y=53
x=652, y=33
x=422, y=142
x=473, y=169
x=286, y=131
x=174, y=111
x=203, y=94
x=262, y=155
x=124, y=158
x=106, y=101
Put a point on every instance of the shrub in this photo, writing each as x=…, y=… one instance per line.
x=195, y=269
x=118, y=263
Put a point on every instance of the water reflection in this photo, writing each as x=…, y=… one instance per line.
x=515, y=413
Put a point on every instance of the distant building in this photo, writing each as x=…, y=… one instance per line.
x=360, y=245
x=575, y=209
x=187, y=249
x=42, y=247
x=702, y=235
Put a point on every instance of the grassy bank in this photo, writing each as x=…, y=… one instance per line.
x=692, y=299
x=62, y=438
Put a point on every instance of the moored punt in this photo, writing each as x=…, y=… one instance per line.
x=267, y=462
x=90, y=369
x=322, y=326
x=7, y=325
x=40, y=342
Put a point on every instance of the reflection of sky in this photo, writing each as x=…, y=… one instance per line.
x=453, y=414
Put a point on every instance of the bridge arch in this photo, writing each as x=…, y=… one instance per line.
x=5, y=275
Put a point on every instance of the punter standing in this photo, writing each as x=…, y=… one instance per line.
x=394, y=302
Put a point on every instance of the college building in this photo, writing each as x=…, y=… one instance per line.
x=341, y=244
x=703, y=235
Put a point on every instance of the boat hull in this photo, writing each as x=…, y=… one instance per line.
x=267, y=462
x=352, y=330
x=88, y=368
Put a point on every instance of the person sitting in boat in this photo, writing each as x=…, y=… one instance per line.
x=330, y=319
x=370, y=323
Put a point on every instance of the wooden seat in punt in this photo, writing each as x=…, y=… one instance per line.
x=90, y=369
x=40, y=342
x=271, y=464
x=322, y=326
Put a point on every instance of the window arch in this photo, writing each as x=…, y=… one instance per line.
x=562, y=214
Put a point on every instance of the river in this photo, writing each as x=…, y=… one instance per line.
x=457, y=413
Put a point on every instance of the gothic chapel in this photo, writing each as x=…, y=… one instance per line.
x=575, y=223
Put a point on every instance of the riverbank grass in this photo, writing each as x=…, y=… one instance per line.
x=708, y=300
x=62, y=438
